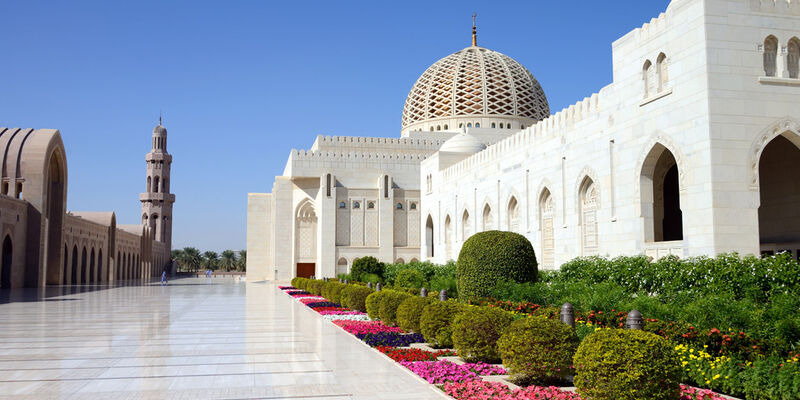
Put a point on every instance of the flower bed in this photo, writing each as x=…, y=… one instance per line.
x=411, y=355
x=361, y=327
x=311, y=299
x=321, y=304
x=345, y=317
x=331, y=310
x=439, y=372
x=286, y=287
x=480, y=390
x=393, y=339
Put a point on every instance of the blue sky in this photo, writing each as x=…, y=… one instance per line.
x=241, y=83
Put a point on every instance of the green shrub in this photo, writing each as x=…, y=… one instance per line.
x=410, y=278
x=618, y=364
x=371, y=278
x=436, y=321
x=492, y=256
x=295, y=282
x=389, y=304
x=407, y=290
x=355, y=297
x=410, y=312
x=373, y=304
x=538, y=350
x=314, y=286
x=476, y=331
x=333, y=291
x=366, y=265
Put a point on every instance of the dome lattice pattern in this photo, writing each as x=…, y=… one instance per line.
x=475, y=81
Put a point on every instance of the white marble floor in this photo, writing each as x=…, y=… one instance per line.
x=193, y=339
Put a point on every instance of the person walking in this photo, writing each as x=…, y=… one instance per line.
x=163, y=277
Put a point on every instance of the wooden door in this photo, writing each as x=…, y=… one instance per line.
x=305, y=270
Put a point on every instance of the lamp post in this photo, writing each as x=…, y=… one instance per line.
x=634, y=321
x=423, y=292
x=567, y=314
x=443, y=295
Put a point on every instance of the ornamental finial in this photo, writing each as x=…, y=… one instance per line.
x=474, y=30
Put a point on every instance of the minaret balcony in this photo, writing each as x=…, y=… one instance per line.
x=167, y=197
x=158, y=155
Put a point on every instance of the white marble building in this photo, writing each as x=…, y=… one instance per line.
x=694, y=148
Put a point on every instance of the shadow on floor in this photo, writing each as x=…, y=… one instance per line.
x=49, y=293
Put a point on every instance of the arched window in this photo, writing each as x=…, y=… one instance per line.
x=648, y=77
x=328, y=185
x=793, y=58
x=342, y=204
x=386, y=186
x=469, y=124
x=546, y=217
x=494, y=125
x=770, y=55
x=149, y=183
x=488, y=222
x=461, y=125
x=663, y=75
x=155, y=185
x=501, y=125
x=429, y=236
x=399, y=206
x=356, y=205
x=413, y=206
x=465, y=226
x=431, y=129
x=448, y=238
x=438, y=127
x=370, y=205
x=341, y=266
x=18, y=193
x=588, y=216
x=399, y=261
x=477, y=124
x=508, y=125
x=513, y=215
x=445, y=126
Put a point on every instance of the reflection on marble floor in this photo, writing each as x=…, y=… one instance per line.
x=196, y=338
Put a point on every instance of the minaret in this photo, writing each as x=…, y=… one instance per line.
x=157, y=200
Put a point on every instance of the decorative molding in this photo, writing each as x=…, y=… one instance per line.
x=650, y=99
x=781, y=126
x=771, y=80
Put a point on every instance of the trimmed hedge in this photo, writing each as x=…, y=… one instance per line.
x=538, y=350
x=366, y=265
x=373, y=304
x=490, y=257
x=410, y=278
x=315, y=286
x=410, y=311
x=389, y=304
x=333, y=291
x=355, y=297
x=436, y=320
x=476, y=331
x=619, y=364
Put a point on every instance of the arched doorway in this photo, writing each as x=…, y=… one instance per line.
x=65, y=272
x=306, y=239
x=513, y=215
x=448, y=238
x=488, y=222
x=429, y=237
x=588, y=216
x=8, y=253
x=102, y=275
x=55, y=185
x=92, y=272
x=84, y=269
x=74, y=273
x=546, y=217
x=659, y=187
x=779, y=192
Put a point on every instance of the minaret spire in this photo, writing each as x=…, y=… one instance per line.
x=474, y=30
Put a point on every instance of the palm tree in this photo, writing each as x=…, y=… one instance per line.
x=242, y=260
x=228, y=259
x=192, y=258
x=210, y=260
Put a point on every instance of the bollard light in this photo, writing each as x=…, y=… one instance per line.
x=634, y=321
x=378, y=287
x=369, y=285
x=443, y=295
x=423, y=292
x=345, y=282
x=567, y=314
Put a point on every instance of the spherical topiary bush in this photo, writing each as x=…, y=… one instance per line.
x=538, y=350
x=476, y=331
x=436, y=321
x=410, y=278
x=315, y=287
x=489, y=257
x=355, y=297
x=295, y=282
x=366, y=265
x=389, y=304
x=617, y=364
x=373, y=304
x=410, y=311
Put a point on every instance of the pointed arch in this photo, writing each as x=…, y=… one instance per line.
x=466, y=225
x=793, y=58
x=547, y=227
x=84, y=267
x=659, y=195
x=588, y=204
x=6, y=263
x=487, y=222
x=770, y=55
x=341, y=266
x=306, y=232
x=779, y=191
x=512, y=214
x=429, y=238
x=787, y=127
x=92, y=272
x=74, y=277
x=663, y=74
x=448, y=237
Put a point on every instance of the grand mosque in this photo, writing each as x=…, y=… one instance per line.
x=692, y=149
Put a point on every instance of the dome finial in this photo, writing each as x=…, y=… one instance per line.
x=159, y=118
x=474, y=30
